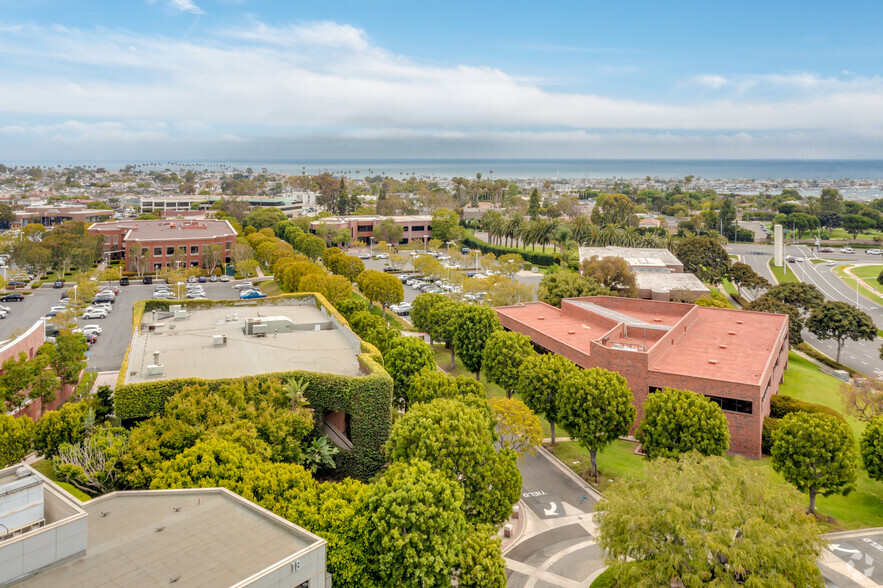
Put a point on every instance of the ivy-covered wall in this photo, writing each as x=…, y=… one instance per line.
x=366, y=398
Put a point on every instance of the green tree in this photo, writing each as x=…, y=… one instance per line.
x=373, y=329
x=380, y=287
x=679, y=421
x=473, y=325
x=534, y=205
x=596, y=409
x=518, y=427
x=540, y=382
x=388, y=230
x=701, y=521
x=94, y=464
x=442, y=324
x=422, y=306
x=311, y=246
x=802, y=296
x=840, y=321
x=503, y=354
x=831, y=200
x=69, y=358
x=57, y=427
x=795, y=321
x=561, y=284
x=458, y=440
x=415, y=526
x=705, y=257
x=872, y=448
x=745, y=277
x=481, y=563
x=856, y=223
x=16, y=438
x=727, y=215
x=405, y=358
x=429, y=384
x=816, y=453
x=612, y=273
x=444, y=223
x=263, y=217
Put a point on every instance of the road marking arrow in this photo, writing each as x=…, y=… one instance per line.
x=552, y=511
x=836, y=547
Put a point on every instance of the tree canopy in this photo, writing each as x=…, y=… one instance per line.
x=705, y=257
x=679, y=421
x=504, y=353
x=840, y=321
x=540, y=383
x=473, y=326
x=816, y=453
x=700, y=521
x=562, y=283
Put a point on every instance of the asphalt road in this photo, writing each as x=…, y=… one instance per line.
x=116, y=329
x=860, y=355
x=862, y=552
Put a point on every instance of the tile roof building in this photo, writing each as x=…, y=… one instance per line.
x=161, y=239
x=191, y=537
x=735, y=358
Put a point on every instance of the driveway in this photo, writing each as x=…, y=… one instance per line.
x=558, y=545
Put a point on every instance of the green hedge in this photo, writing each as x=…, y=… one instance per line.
x=366, y=398
x=781, y=405
x=534, y=257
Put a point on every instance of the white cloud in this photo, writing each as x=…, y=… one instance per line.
x=325, y=79
x=185, y=6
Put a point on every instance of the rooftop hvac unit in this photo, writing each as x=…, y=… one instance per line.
x=259, y=330
x=180, y=315
x=155, y=370
x=219, y=340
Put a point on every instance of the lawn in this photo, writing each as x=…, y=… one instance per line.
x=782, y=275
x=863, y=507
x=44, y=466
x=840, y=234
x=863, y=286
x=270, y=287
x=730, y=288
x=868, y=274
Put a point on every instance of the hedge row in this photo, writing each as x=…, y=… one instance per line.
x=534, y=257
x=821, y=357
x=367, y=398
x=780, y=406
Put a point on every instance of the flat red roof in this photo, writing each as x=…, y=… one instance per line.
x=725, y=344
x=713, y=343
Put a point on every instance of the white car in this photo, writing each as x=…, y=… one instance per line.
x=95, y=313
x=106, y=306
x=874, y=252
x=224, y=278
x=242, y=285
x=847, y=250
x=91, y=329
x=163, y=295
x=213, y=278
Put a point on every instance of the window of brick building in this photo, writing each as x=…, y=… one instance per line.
x=194, y=250
x=157, y=251
x=170, y=250
x=732, y=404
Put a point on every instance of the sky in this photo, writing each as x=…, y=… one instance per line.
x=198, y=80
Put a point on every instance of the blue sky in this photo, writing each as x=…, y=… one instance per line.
x=250, y=79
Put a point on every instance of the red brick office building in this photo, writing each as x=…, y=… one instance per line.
x=162, y=238
x=735, y=358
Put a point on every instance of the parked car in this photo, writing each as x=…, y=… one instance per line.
x=225, y=278
x=191, y=279
x=58, y=284
x=364, y=256
x=242, y=285
x=203, y=279
x=213, y=278
x=124, y=281
x=13, y=297
x=465, y=251
x=95, y=313
x=91, y=329
x=162, y=295
x=252, y=294
x=147, y=280
x=847, y=250
x=15, y=283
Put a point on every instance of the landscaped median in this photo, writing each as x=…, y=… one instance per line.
x=863, y=507
x=867, y=282
x=782, y=274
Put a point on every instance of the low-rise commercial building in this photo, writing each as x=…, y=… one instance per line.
x=162, y=241
x=362, y=228
x=735, y=358
x=658, y=273
x=51, y=215
x=191, y=537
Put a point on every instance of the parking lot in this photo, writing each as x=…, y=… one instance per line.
x=107, y=353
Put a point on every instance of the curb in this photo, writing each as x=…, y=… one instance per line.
x=569, y=472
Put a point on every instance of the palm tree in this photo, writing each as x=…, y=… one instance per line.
x=493, y=223
x=560, y=237
x=628, y=237
x=580, y=229
x=513, y=228
x=608, y=235
x=547, y=229
x=295, y=390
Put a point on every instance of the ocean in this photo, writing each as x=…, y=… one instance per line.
x=831, y=169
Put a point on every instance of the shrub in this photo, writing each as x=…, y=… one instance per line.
x=770, y=426
x=781, y=405
x=534, y=257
